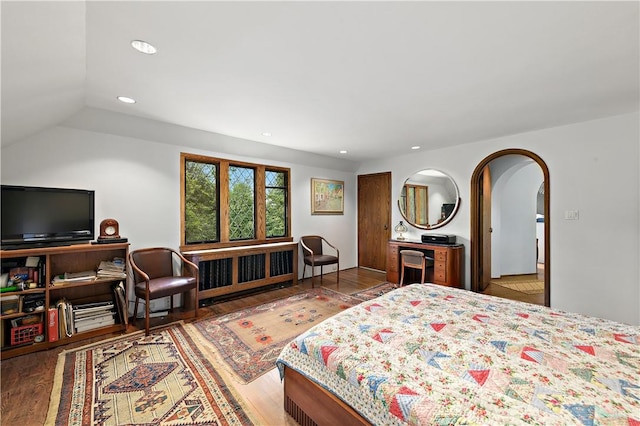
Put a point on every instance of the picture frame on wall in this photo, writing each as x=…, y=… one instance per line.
x=327, y=196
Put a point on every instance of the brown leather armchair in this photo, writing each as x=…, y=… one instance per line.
x=314, y=256
x=154, y=277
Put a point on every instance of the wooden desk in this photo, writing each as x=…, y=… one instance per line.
x=448, y=262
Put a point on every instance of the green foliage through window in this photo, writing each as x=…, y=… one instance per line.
x=276, y=203
x=241, y=203
x=232, y=203
x=201, y=202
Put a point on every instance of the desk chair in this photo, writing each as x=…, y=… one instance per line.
x=414, y=259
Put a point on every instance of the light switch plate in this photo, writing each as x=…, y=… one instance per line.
x=571, y=214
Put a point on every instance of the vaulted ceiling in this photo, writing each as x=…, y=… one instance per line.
x=371, y=78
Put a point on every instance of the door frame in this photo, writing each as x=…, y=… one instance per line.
x=476, y=231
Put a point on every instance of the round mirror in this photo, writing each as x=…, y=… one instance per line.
x=429, y=199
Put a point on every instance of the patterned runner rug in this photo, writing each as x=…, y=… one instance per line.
x=375, y=291
x=162, y=379
x=249, y=341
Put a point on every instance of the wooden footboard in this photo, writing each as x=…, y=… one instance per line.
x=311, y=405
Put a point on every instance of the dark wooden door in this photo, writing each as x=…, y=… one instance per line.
x=485, y=226
x=374, y=219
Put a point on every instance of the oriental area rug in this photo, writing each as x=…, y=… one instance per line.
x=161, y=379
x=375, y=291
x=249, y=341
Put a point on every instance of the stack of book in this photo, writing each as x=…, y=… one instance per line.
x=89, y=316
x=69, y=277
x=112, y=269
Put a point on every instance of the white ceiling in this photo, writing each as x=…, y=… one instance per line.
x=374, y=78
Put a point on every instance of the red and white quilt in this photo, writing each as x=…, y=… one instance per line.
x=427, y=354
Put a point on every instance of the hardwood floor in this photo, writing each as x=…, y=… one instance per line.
x=499, y=291
x=27, y=380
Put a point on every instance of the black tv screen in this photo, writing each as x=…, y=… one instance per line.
x=37, y=216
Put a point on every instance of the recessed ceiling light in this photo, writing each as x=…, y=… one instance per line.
x=415, y=147
x=343, y=151
x=126, y=100
x=143, y=47
x=266, y=134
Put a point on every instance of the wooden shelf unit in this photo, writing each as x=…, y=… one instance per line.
x=234, y=269
x=57, y=261
x=448, y=262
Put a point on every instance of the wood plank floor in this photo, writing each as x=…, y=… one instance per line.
x=27, y=380
x=499, y=291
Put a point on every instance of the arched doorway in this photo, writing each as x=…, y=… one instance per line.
x=480, y=221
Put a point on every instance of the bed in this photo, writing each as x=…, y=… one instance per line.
x=432, y=355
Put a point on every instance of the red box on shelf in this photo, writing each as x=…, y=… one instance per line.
x=25, y=333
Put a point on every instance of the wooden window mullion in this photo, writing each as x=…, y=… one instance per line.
x=224, y=201
x=261, y=208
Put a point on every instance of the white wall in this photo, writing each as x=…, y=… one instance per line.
x=137, y=182
x=593, y=168
x=514, y=197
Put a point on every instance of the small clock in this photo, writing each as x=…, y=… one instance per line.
x=109, y=229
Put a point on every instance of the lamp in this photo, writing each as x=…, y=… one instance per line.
x=400, y=228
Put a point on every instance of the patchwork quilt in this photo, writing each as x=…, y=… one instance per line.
x=432, y=355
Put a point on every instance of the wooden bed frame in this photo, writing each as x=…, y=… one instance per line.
x=310, y=404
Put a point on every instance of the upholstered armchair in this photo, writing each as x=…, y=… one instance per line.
x=154, y=277
x=313, y=255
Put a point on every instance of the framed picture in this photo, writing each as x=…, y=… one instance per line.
x=327, y=196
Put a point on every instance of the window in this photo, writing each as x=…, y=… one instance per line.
x=241, y=203
x=226, y=203
x=201, y=202
x=277, y=188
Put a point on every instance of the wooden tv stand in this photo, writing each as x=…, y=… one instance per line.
x=448, y=262
x=55, y=261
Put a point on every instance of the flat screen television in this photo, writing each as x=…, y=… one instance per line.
x=40, y=217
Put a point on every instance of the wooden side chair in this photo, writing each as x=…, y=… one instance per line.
x=154, y=277
x=414, y=259
x=313, y=256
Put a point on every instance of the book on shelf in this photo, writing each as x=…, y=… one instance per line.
x=94, y=318
x=69, y=277
x=52, y=324
x=92, y=313
x=112, y=269
x=78, y=315
x=65, y=318
x=79, y=276
x=94, y=323
x=93, y=305
x=87, y=316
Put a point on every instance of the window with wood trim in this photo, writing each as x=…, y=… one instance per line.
x=228, y=203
